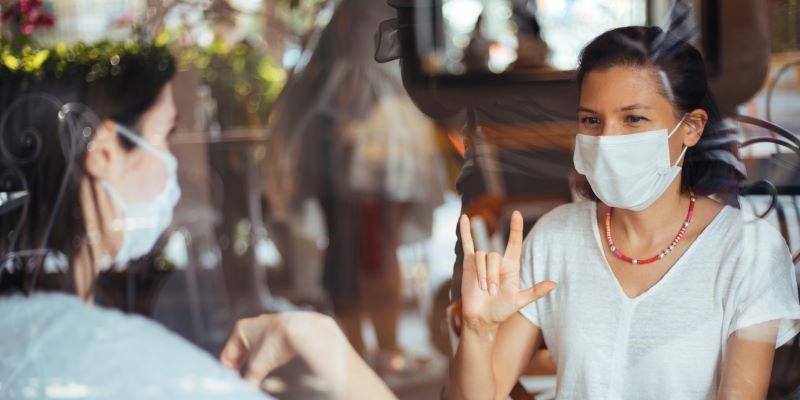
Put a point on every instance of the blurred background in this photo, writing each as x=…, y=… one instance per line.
x=328, y=147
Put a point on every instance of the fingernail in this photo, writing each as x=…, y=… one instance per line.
x=493, y=289
x=483, y=284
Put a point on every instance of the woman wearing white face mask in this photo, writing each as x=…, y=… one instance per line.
x=92, y=157
x=651, y=289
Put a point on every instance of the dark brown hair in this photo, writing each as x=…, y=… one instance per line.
x=712, y=166
x=47, y=118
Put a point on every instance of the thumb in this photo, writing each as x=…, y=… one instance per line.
x=535, y=292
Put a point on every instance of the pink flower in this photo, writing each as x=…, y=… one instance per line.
x=27, y=29
x=28, y=15
x=123, y=21
x=27, y=6
x=8, y=13
x=45, y=21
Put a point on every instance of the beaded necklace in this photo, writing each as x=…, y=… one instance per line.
x=617, y=253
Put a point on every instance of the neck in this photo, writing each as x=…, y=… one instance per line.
x=649, y=226
x=85, y=271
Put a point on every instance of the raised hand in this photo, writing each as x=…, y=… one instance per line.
x=490, y=282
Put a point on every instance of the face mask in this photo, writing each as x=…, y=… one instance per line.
x=627, y=171
x=143, y=223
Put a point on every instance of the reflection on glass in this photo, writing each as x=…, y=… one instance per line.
x=496, y=36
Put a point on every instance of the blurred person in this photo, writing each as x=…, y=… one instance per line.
x=86, y=139
x=532, y=50
x=656, y=287
x=345, y=132
x=476, y=54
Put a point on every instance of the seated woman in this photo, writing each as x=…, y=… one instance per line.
x=661, y=292
x=87, y=142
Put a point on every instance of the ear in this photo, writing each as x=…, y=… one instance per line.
x=102, y=151
x=696, y=121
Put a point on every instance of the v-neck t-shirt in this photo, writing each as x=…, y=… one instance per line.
x=670, y=341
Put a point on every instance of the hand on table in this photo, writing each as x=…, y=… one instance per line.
x=264, y=343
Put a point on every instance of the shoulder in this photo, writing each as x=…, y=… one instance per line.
x=118, y=353
x=752, y=232
x=755, y=245
x=53, y=311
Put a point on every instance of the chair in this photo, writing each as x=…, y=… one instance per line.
x=786, y=366
x=781, y=137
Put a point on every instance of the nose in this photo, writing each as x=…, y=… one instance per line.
x=609, y=128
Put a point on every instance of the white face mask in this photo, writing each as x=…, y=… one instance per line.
x=143, y=223
x=627, y=171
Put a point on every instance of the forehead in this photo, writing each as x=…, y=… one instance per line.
x=618, y=86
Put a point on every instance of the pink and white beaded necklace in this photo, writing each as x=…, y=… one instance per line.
x=618, y=253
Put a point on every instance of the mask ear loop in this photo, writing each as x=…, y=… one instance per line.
x=675, y=129
x=130, y=135
x=169, y=160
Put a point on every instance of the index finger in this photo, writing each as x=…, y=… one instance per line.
x=514, y=247
x=466, y=235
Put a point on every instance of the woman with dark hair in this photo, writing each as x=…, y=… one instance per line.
x=71, y=143
x=665, y=290
x=83, y=145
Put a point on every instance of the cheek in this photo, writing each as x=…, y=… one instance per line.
x=143, y=179
x=676, y=146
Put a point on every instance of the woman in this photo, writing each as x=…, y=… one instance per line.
x=345, y=132
x=85, y=139
x=651, y=290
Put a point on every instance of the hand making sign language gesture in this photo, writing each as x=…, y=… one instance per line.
x=490, y=282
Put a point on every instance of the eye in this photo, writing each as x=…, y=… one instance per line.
x=590, y=121
x=634, y=119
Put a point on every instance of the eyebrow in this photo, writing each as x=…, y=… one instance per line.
x=634, y=107
x=626, y=108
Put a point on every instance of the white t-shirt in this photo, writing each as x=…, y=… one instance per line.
x=669, y=342
x=54, y=346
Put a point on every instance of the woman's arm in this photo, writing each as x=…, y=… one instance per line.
x=268, y=341
x=508, y=355
x=496, y=341
x=748, y=363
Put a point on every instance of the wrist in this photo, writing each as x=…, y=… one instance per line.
x=317, y=339
x=480, y=328
x=303, y=325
